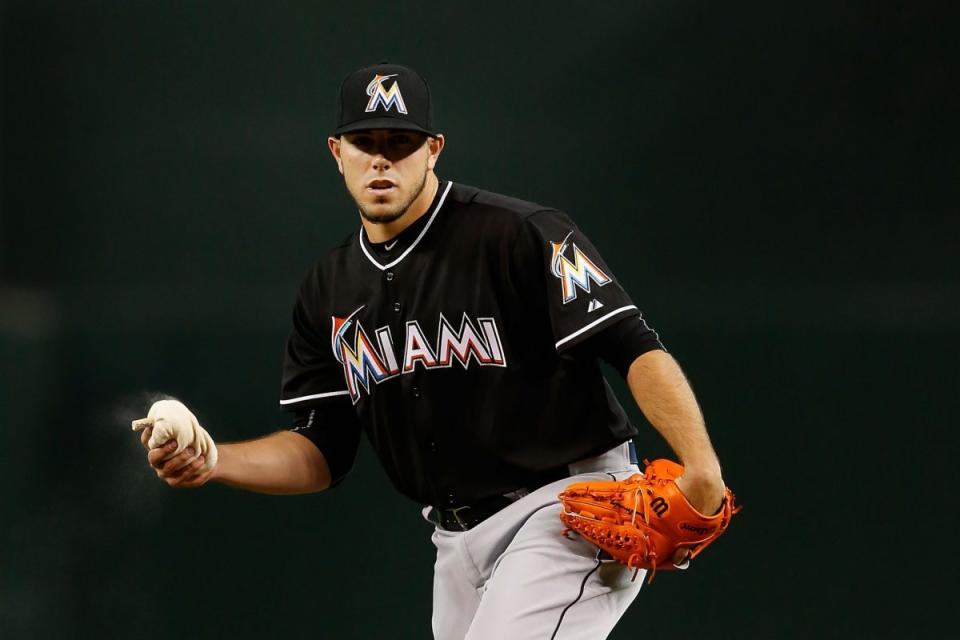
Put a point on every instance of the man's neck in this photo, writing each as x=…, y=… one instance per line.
x=383, y=232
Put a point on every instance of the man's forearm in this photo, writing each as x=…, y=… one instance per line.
x=280, y=463
x=666, y=399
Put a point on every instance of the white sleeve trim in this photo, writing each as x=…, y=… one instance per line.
x=329, y=394
x=595, y=323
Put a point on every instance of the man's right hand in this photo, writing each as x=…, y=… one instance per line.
x=171, y=421
x=184, y=470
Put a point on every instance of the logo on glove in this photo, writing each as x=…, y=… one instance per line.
x=659, y=506
x=698, y=530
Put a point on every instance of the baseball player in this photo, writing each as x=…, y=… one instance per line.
x=462, y=331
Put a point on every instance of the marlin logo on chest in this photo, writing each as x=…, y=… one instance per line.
x=367, y=360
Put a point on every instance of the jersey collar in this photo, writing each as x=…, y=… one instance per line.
x=423, y=232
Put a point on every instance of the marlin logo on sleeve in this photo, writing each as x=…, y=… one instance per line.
x=576, y=274
x=365, y=361
x=381, y=96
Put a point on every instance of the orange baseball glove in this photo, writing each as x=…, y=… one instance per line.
x=643, y=520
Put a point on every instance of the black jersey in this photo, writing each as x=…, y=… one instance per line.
x=454, y=344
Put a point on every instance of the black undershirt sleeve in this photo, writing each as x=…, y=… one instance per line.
x=621, y=343
x=333, y=428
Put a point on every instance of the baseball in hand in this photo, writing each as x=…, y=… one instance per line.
x=171, y=420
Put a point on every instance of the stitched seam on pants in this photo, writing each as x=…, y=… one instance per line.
x=469, y=564
x=583, y=586
x=506, y=551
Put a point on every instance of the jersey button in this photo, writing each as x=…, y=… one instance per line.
x=415, y=391
x=451, y=499
x=433, y=447
x=389, y=275
x=396, y=307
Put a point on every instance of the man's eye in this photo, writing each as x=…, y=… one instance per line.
x=362, y=141
x=401, y=140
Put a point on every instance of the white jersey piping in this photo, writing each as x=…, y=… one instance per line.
x=384, y=267
x=594, y=323
x=329, y=394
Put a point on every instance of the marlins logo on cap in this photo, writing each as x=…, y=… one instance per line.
x=379, y=95
x=371, y=98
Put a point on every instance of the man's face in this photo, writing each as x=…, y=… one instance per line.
x=385, y=169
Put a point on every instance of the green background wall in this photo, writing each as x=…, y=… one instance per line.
x=776, y=184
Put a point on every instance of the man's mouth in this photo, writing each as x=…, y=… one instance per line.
x=381, y=187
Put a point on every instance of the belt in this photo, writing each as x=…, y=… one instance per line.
x=466, y=517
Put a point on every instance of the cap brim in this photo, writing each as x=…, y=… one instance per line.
x=381, y=123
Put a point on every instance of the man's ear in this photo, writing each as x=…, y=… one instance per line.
x=333, y=143
x=436, y=146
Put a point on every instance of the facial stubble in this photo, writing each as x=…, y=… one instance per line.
x=396, y=212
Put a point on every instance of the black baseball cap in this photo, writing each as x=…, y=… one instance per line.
x=384, y=96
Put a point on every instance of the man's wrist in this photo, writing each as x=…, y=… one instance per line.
x=217, y=474
x=702, y=469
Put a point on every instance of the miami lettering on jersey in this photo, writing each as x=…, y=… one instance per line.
x=379, y=95
x=576, y=274
x=365, y=360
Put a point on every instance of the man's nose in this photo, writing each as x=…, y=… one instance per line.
x=380, y=161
